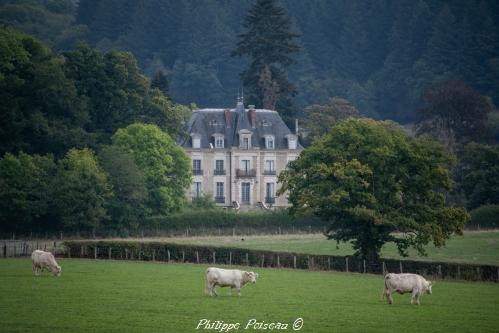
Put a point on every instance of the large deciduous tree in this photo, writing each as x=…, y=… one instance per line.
x=165, y=165
x=270, y=43
x=454, y=113
x=370, y=180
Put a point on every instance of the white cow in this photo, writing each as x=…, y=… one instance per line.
x=42, y=259
x=406, y=283
x=232, y=278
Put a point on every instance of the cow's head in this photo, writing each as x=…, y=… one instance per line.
x=57, y=270
x=428, y=287
x=250, y=276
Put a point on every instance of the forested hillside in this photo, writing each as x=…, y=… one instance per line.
x=376, y=54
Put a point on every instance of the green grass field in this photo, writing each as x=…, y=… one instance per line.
x=114, y=296
x=475, y=247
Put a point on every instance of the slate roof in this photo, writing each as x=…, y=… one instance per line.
x=207, y=122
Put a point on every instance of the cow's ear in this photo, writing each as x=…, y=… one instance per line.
x=247, y=273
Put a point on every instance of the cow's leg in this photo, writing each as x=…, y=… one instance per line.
x=415, y=296
x=230, y=291
x=389, y=296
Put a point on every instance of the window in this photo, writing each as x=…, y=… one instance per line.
x=245, y=165
x=219, y=142
x=270, y=190
x=245, y=143
x=269, y=165
x=269, y=142
x=219, y=167
x=196, y=141
x=197, y=189
x=220, y=190
x=196, y=167
x=245, y=193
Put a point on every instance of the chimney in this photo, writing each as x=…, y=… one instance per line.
x=228, y=118
x=252, y=115
x=296, y=126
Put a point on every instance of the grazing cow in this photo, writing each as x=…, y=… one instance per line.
x=42, y=259
x=232, y=278
x=406, y=283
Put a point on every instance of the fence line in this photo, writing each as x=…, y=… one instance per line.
x=181, y=253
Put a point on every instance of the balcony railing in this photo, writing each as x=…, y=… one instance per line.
x=270, y=200
x=245, y=173
x=269, y=172
x=197, y=172
x=220, y=200
x=218, y=172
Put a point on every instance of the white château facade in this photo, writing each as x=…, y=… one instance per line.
x=237, y=155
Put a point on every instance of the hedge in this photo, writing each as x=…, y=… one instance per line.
x=135, y=250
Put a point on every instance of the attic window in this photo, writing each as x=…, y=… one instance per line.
x=265, y=123
x=213, y=123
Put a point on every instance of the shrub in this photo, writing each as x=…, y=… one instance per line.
x=486, y=216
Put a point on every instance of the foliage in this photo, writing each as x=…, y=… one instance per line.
x=454, y=113
x=165, y=165
x=478, y=174
x=319, y=119
x=270, y=44
x=82, y=190
x=127, y=208
x=486, y=216
x=368, y=179
x=26, y=190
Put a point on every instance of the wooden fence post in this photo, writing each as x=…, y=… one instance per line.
x=153, y=254
x=197, y=257
x=168, y=253
x=329, y=263
x=346, y=264
x=140, y=254
x=230, y=257
x=384, y=268
x=247, y=259
x=263, y=259
x=95, y=252
x=278, y=263
x=364, y=262
x=459, y=272
x=214, y=258
x=126, y=253
x=183, y=256
x=81, y=251
x=400, y=267
x=109, y=253
x=440, y=271
x=294, y=262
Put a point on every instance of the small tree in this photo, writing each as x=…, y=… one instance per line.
x=368, y=180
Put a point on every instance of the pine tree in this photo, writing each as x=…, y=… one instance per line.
x=270, y=43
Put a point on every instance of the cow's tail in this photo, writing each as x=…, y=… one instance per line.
x=385, y=287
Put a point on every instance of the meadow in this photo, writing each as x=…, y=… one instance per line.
x=474, y=247
x=125, y=296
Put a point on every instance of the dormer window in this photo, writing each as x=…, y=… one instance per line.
x=292, y=141
x=219, y=141
x=244, y=139
x=269, y=142
x=196, y=140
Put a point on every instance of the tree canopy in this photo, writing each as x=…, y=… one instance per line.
x=369, y=179
x=166, y=166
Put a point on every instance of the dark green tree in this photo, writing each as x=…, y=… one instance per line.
x=82, y=191
x=127, y=208
x=369, y=180
x=478, y=174
x=269, y=42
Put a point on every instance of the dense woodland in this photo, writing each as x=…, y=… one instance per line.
x=94, y=96
x=379, y=55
